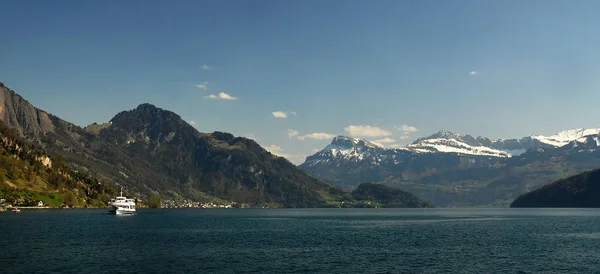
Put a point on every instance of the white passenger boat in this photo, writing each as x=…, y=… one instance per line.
x=121, y=205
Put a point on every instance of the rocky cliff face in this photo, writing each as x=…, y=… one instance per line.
x=19, y=114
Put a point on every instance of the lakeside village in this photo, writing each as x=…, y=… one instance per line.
x=181, y=203
x=185, y=203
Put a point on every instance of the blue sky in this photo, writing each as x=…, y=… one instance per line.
x=373, y=69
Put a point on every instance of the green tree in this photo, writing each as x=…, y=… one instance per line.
x=69, y=198
x=154, y=201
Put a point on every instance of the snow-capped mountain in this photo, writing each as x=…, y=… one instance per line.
x=353, y=150
x=564, y=137
x=453, y=145
x=451, y=168
x=586, y=143
x=444, y=141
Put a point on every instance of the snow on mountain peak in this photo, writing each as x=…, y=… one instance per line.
x=349, y=149
x=345, y=141
x=452, y=145
x=444, y=141
x=565, y=137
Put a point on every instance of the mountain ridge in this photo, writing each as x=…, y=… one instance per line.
x=150, y=150
x=581, y=190
x=455, y=178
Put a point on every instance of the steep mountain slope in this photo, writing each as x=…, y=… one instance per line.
x=149, y=150
x=582, y=190
x=19, y=114
x=28, y=175
x=217, y=164
x=450, y=177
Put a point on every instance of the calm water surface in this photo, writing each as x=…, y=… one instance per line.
x=302, y=241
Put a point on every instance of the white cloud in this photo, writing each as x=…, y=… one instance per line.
x=473, y=73
x=283, y=114
x=403, y=137
x=366, y=131
x=275, y=149
x=385, y=140
x=222, y=95
x=193, y=123
x=250, y=136
x=203, y=86
x=278, y=151
x=382, y=142
x=205, y=67
x=292, y=133
x=396, y=146
x=377, y=144
x=406, y=129
x=316, y=136
x=315, y=150
x=279, y=114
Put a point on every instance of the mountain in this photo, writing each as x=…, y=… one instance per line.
x=149, y=150
x=455, y=169
x=384, y=196
x=449, y=142
x=28, y=175
x=216, y=164
x=581, y=190
x=19, y=114
x=565, y=137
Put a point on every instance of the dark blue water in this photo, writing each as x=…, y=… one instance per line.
x=302, y=241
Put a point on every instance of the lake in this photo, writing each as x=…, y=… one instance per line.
x=302, y=241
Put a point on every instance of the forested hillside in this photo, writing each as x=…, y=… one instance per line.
x=28, y=175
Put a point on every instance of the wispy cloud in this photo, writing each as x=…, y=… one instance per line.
x=406, y=129
x=292, y=133
x=315, y=150
x=473, y=73
x=205, y=67
x=382, y=142
x=203, y=86
x=283, y=114
x=385, y=140
x=396, y=146
x=316, y=136
x=377, y=144
x=279, y=114
x=222, y=96
x=193, y=123
x=366, y=131
x=278, y=151
x=275, y=149
x=250, y=136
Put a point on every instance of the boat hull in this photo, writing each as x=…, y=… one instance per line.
x=121, y=211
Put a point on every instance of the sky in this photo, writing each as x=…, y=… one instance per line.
x=293, y=74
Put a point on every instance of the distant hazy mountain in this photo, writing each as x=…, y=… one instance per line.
x=458, y=169
x=384, y=196
x=582, y=190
